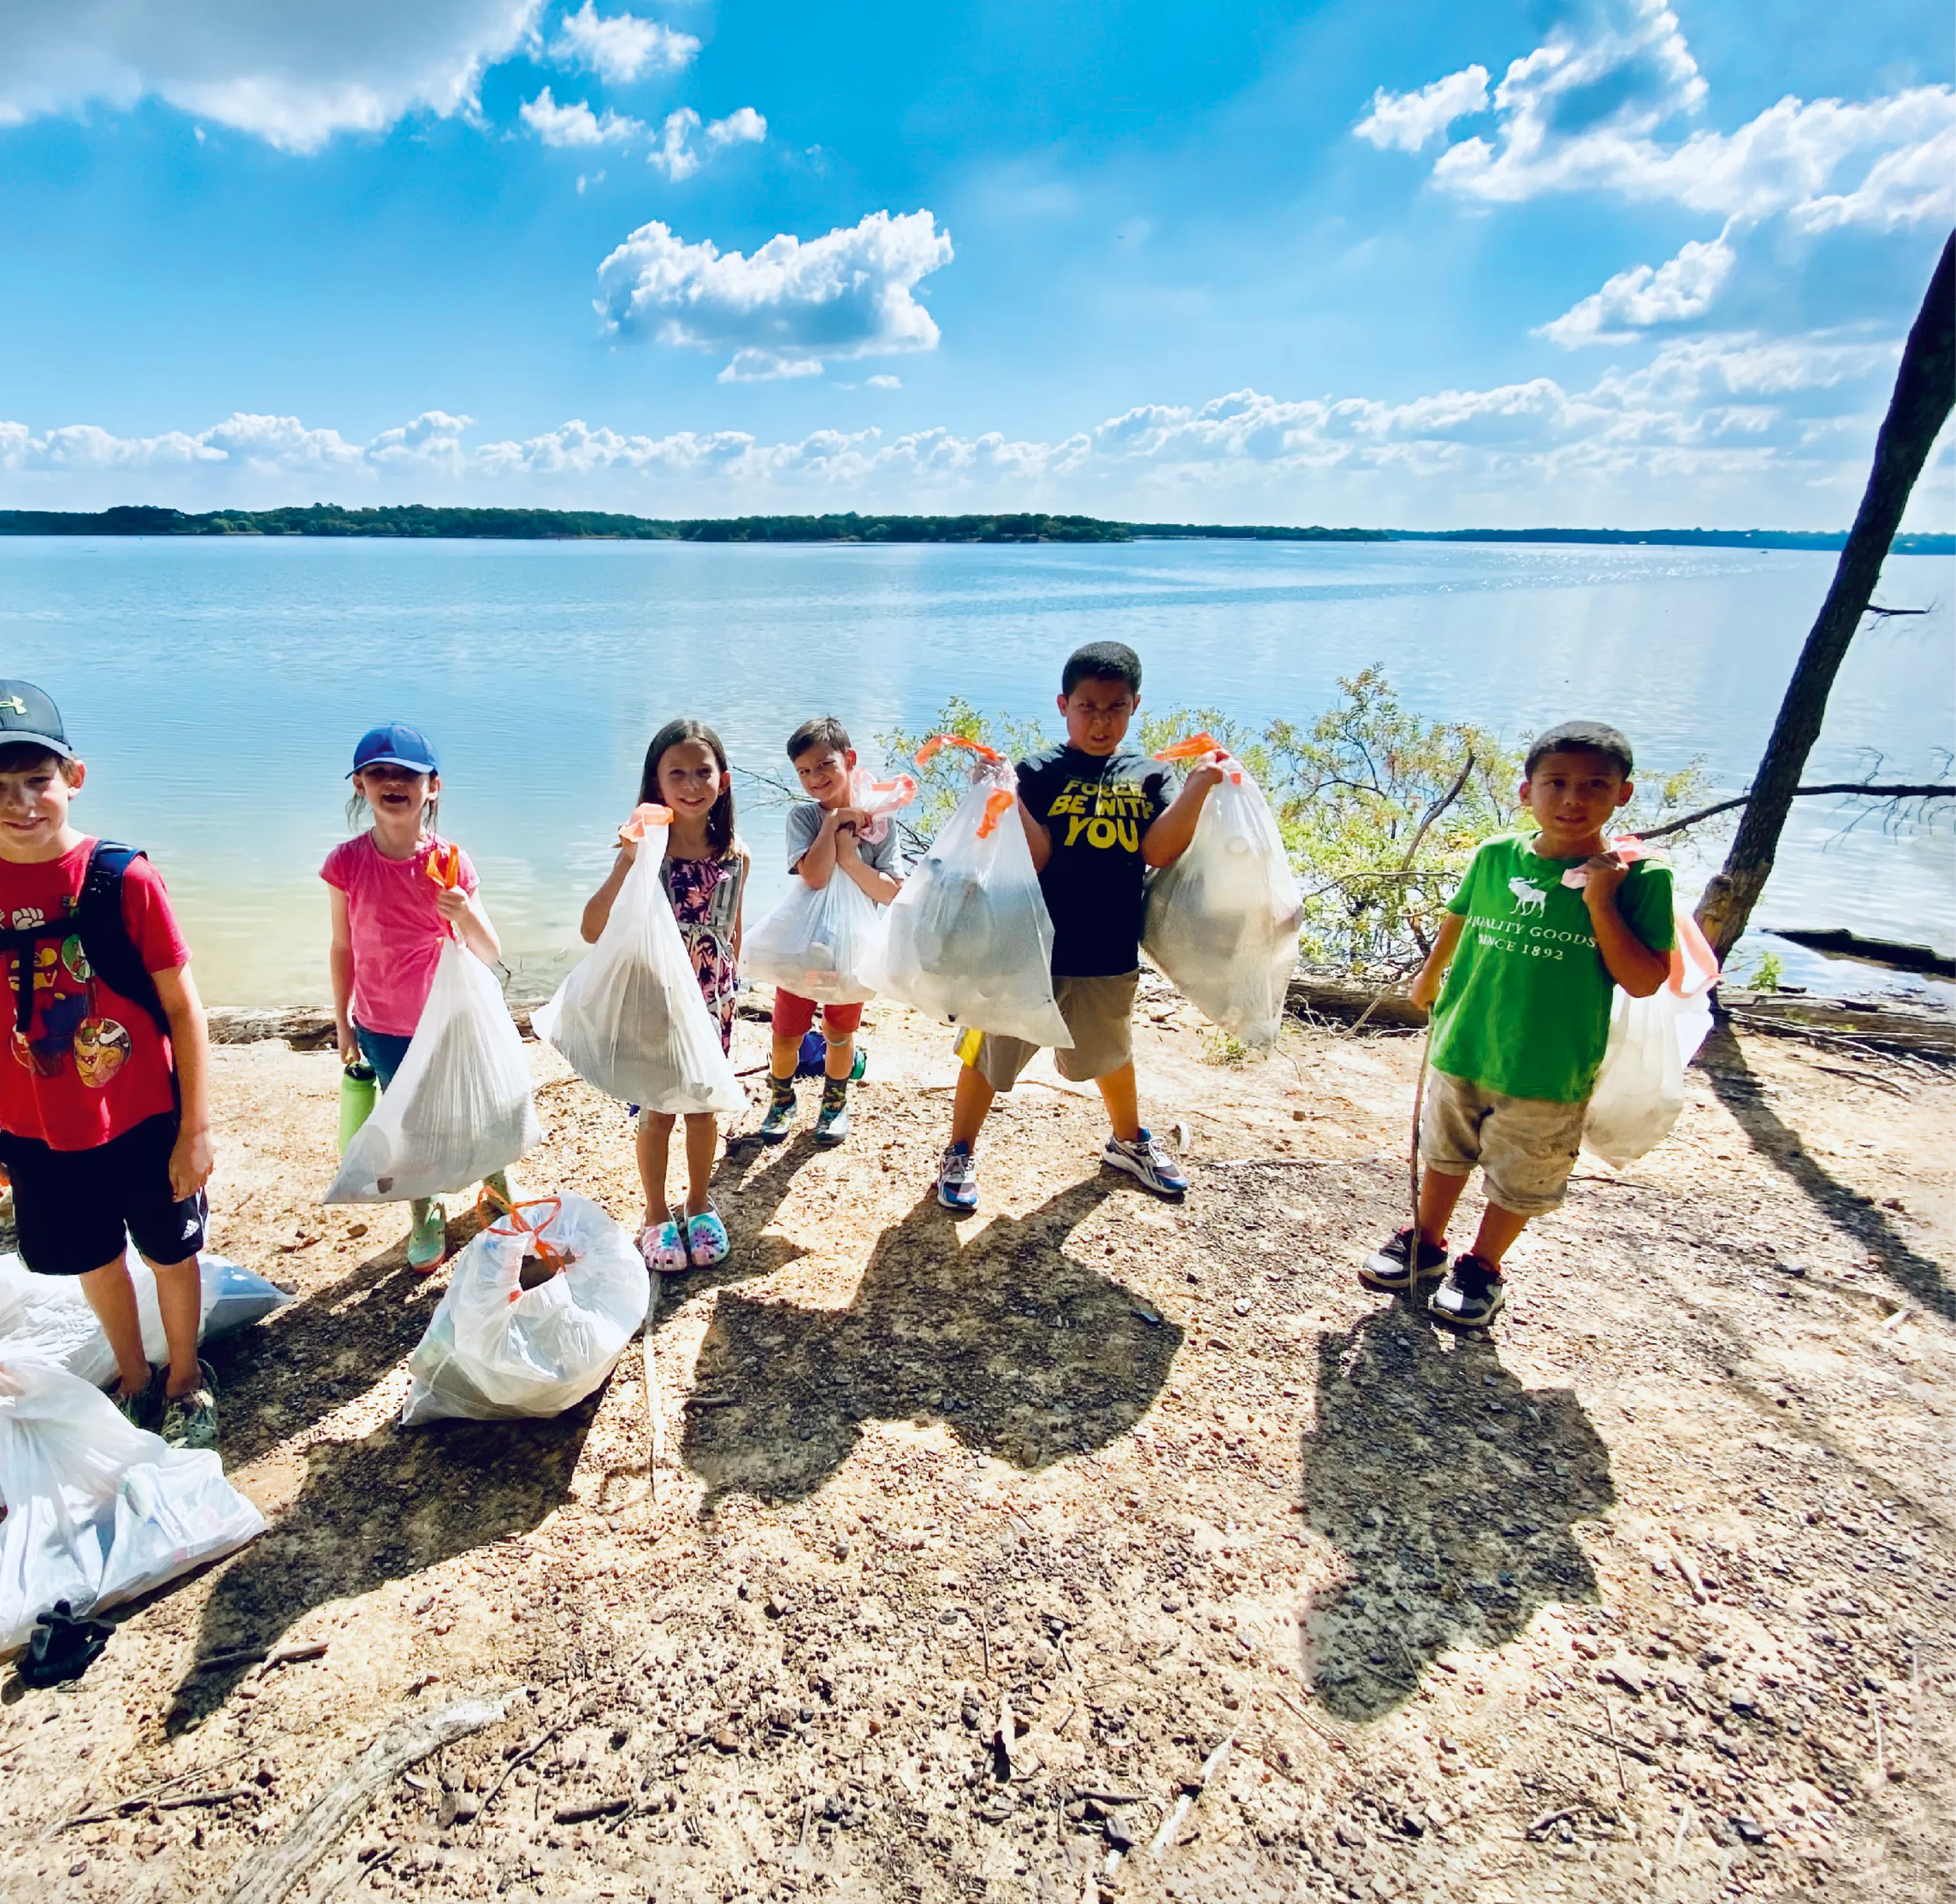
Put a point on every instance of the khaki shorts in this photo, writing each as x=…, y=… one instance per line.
x=1525, y=1147
x=1099, y=1013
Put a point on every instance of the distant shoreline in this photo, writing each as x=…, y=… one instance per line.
x=418, y=522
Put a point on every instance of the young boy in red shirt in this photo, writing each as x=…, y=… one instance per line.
x=105, y=1108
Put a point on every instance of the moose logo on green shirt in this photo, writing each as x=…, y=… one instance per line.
x=1525, y=1009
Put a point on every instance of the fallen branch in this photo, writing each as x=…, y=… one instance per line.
x=1930, y=790
x=266, y=1879
x=136, y=1801
x=1178, y=1812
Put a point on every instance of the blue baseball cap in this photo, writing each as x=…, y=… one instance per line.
x=395, y=744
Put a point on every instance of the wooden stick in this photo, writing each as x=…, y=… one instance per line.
x=267, y=1878
x=1622, y=1780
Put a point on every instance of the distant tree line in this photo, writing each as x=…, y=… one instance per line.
x=417, y=520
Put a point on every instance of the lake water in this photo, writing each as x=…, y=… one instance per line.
x=216, y=689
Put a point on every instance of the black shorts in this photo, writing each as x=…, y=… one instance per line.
x=72, y=1207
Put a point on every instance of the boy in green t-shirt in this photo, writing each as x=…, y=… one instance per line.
x=1545, y=926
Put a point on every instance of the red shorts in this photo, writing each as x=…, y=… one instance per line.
x=795, y=1017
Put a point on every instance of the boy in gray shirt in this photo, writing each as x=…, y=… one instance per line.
x=825, y=842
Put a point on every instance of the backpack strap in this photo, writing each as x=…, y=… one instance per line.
x=111, y=954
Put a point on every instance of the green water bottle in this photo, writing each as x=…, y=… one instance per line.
x=359, y=1092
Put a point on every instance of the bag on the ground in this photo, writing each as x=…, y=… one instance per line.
x=819, y=943
x=459, y=1107
x=969, y=939
x=1640, y=1089
x=98, y=1511
x=1222, y=921
x=47, y=1318
x=630, y=1019
x=495, y=1350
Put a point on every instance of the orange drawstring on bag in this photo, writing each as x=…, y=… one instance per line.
x=1001, y=803
x=1205, y=747
x=493, y=1210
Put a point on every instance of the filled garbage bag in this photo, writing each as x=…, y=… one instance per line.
x=459, y=1107
x=1639, y=1090
x=1222, y=921
x=817, y=943
x=969, y=939
x=98, y=1511
x=48, y=1318
x=630, y=1019
x=495, y=1350
x=821, y=943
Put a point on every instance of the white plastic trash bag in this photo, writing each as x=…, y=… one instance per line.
x=817, y=943
x=494, y=1350
x=1222, y=921
x=459, y=1107
x=1640, y=1089
x=47, y=1318
x=630, y=1018
x=969, y=939
x=98, y=1511
x=821, y=943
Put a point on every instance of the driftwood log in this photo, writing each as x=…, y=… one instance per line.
x=1882, y=1026
x=267, y=1875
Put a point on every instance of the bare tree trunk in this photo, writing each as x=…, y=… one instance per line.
x=1925, y=390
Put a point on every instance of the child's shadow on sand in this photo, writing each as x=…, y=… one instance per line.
x=1022, y=1352
x=1451, y=1491
x=381, y=1508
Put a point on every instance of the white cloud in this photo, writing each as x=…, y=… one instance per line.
x=884, y=381
x=742, y=127
x=1910, y=187
x=1409, y=120
x=1681, y=289
x=1734, y=428
x=575, y=126
x=1581, y=113
x=678, y=158
x=293, y=75
x=621, y=48
x=847, y=294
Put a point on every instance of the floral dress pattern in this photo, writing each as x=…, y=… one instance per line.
x=705, y=896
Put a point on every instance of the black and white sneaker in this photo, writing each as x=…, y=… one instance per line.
x=1472, y=1296
x=1389, y=1267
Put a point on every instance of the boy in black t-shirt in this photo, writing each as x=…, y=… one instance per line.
x=1095, y=819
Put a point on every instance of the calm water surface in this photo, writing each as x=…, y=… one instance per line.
x=216, y=689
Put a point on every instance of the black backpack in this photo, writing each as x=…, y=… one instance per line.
x=97, y=920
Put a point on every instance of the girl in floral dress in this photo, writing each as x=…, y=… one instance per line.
x=705, y=875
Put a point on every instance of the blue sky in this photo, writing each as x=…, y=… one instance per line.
x=1486, y=262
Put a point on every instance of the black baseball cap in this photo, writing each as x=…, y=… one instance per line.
x=28, y=717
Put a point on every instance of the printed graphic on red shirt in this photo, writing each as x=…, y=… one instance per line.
x=90, y=1063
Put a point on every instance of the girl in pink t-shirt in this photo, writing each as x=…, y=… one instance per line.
x=388, y=921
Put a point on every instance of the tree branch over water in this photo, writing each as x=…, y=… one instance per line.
x=1863, y=790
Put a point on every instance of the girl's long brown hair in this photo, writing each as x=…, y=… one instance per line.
x=719, y=817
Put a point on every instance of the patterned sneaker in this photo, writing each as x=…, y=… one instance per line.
x=831, y=1123
x=1386, y=1268
x=1472, y=1296
x=191, y=1420
x=1146, y=1159
x=958, y=1179
x=707, y=1242
x=780, y=1117
x=497, y=1184
x=664, y=1248
x=427, y=1240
